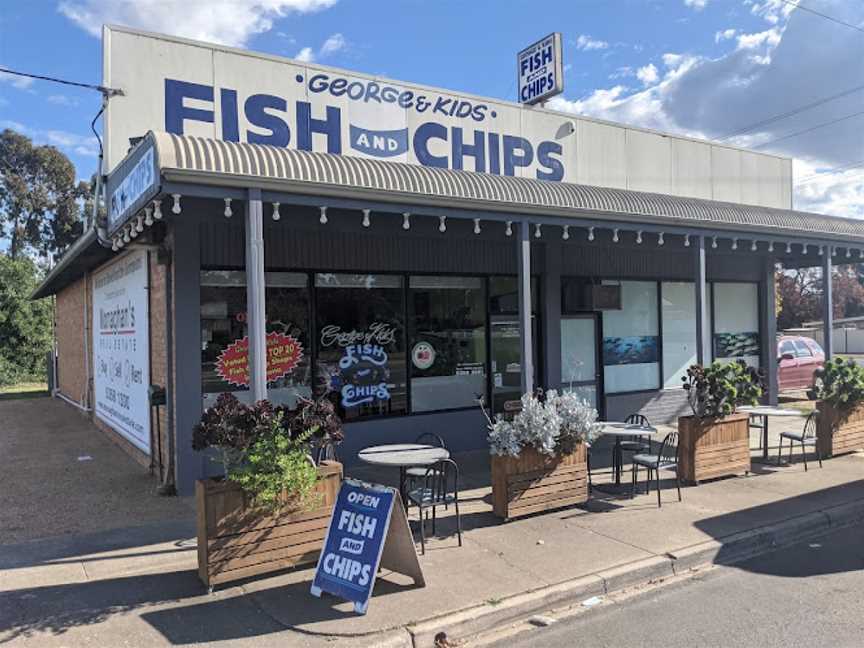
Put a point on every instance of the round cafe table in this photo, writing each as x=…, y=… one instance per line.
x=622, y=431
x=403, y=456
x=762, y=412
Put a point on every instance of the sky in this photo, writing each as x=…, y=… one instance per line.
x=716, y=69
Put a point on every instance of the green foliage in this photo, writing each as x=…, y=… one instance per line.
x=25, y=326
x=718, y=390
x=278, y=469
x=40, y=200
x=840, y=383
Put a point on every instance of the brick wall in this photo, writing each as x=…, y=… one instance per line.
x=70, y=329
x=158, y=355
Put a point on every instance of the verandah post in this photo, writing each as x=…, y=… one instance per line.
x=255, y=297
x=526, y=349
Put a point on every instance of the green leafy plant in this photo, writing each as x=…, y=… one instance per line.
x=718, y=389
x=840, y=383
x=278, y=469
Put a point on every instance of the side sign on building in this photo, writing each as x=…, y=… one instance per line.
x=540, y=70
x=121, y=350
x=368, y=528
x=131, y=186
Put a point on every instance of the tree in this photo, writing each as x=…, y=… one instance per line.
x=25, y=326
x=800, y=294
x=40, y=201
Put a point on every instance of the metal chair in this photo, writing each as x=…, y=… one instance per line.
x=413, y=473
x=641, y=444
x=806, y=437
x=665, y=459
x=435, y=491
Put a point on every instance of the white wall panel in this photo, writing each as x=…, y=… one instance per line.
x=649, y=162
x=601, y=155
x=691, y=169
x=726, y=173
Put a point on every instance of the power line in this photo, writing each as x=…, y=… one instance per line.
x=790, y=113
x=808, y=130
x=834, y=171
x=109, y=92
x=797, y=5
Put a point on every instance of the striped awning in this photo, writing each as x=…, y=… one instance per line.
x=187, y=158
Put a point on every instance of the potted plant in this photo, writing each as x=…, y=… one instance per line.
x=540, y=458
x=715, y=440
x=839, y=390
x=271, y=507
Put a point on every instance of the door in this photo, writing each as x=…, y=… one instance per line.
x=787, y=370
x=505, y=348
x=580, y=356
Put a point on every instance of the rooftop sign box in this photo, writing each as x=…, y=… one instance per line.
x=190, y=88
x=540, y=70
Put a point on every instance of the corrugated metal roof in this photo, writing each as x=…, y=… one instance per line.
x=208, y=157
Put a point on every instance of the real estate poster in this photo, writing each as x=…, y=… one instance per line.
x=121, y=348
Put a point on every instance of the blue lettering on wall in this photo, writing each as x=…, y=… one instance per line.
x=456, y=148
x=380, y=143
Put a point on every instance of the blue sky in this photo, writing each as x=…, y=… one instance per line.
x=702, y=67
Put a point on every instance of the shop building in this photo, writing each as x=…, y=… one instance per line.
x=279, y=229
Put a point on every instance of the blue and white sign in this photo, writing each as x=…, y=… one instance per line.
x=349, y=561
x=540, y=70
x=129, y=188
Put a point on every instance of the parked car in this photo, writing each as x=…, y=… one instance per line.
x=798, y=359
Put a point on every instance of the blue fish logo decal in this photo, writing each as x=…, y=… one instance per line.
x=380, y=143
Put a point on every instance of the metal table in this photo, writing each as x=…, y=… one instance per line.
x=763, y=412
x=623, y=431
x=403, y=456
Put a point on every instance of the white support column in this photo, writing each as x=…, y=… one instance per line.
x=526, y=350
x=703, y=326
x=827, y=305
x=255, y=300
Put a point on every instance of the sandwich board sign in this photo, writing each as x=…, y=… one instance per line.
x=368, y=530
x=540, y=70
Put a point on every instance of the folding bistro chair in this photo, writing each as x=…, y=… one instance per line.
x=665, y=459
x=806, y=437
x=440, y=487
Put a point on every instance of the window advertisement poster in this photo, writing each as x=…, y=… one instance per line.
x=121, y=348
x=348, y=564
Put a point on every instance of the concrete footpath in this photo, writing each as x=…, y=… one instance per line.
x=138, y=587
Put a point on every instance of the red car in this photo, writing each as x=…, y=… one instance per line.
x=798, y=359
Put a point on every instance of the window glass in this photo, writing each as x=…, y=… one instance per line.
x=631, y=353
x=361, y=343
x=448, y=343
x=815, y=347
x=787, y=347
x=505, y=340
x=678, y=312
x=803, y=350
x=224, y=336
x=736, y=322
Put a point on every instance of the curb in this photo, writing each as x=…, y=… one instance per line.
x=473, y=621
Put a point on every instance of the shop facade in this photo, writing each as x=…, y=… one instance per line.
x=404, y=251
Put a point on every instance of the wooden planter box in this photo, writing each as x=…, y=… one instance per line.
x=236, y=540
x=838, y=432
x=711, y=448
x=534, y=482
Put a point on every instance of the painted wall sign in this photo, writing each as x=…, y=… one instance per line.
x=423, y=355
x=284, y=353
x=368, y=528
x=121, y=351
x=540, y=70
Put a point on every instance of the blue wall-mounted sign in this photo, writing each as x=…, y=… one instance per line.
x=348, y=563
x=540, y=70
x=132, y=185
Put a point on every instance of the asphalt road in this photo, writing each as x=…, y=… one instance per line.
x=806, y=595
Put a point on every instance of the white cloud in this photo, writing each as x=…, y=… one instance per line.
x=698, y=5
x=62, y=100
x=622, y=72
x=85, y=145
x=585, y=43
x=22, y=83
x=229, y=22
x=796, y=61
x=306, y=55
x=726, y=34
x=647, y=74
x=336, y=43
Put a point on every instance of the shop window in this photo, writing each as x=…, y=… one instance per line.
x=448, y=342
x=505, y=340
x=631, y=340
x=224, y=336
x=736, y=322
x=361, y=343
x=678, y=312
